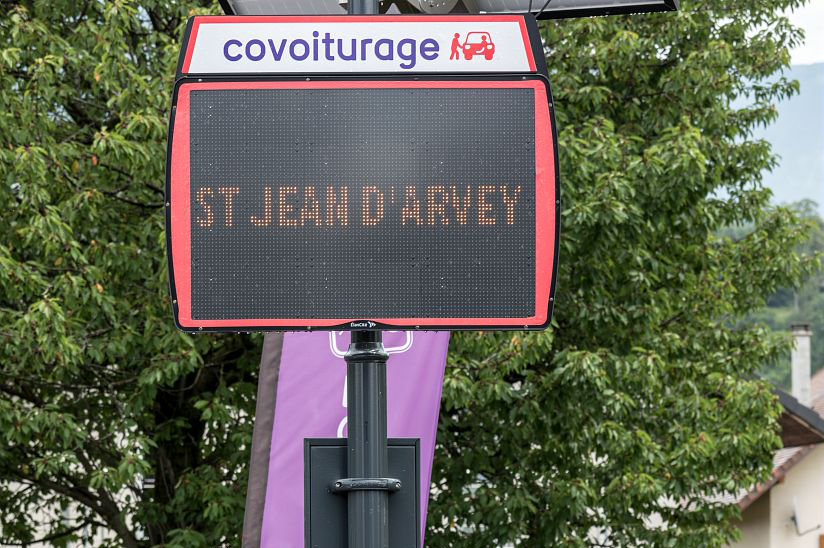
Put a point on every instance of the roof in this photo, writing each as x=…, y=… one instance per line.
x=817, y=392
x=802, y=428
x=801, y=425
x=783, y=461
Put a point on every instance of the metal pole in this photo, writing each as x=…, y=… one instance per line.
x=367, y=446
x=363, y=6
x=366, y=417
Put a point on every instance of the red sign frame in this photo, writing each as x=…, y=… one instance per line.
x=179, y=218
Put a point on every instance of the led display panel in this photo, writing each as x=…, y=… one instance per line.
x=423, y=204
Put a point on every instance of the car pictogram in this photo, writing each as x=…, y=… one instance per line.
x=478, y=43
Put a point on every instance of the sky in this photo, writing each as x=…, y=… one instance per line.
x=797, y=135
x=810, y=17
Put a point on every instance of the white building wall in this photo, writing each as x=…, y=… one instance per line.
x=802, y=490
x=755, y=524
x=767, y=522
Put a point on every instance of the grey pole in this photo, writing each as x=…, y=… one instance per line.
x=367, y=444
x=366, y=417
x=363, y=7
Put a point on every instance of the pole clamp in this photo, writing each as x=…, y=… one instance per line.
x=365, y=484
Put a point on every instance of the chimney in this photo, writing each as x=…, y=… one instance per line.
x=800, y=358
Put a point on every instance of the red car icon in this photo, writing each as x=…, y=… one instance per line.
x=478, y=43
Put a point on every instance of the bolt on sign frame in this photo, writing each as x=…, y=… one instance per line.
x=362, y=172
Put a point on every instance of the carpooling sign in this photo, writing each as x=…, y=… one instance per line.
x=387, y=44
x=368, y=172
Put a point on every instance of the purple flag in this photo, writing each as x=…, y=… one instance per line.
x=302, y=394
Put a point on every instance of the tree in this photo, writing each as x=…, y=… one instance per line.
x=796, y=305
x=629, y=421
x=634, y=405
x=98, y=388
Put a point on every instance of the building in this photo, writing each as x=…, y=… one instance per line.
x=787, y=511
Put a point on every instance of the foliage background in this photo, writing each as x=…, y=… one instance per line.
x=795, y=305
x=622, y=425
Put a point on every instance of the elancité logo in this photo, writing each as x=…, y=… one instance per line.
x=362, y=324
x=406, y=52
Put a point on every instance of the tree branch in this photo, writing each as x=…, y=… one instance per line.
x=53, y=536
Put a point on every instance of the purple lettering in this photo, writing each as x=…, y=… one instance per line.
x=261, y=50
x=409, y=56
x=322, y=46
x=305, y=46
x=351, y=56
x=277, y=53
x=363, y=47
x=226, y=54
x=327, y=42
x=429, y=49
x=389, y=55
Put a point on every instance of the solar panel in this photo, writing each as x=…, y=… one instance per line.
x=557, y=9
x=282, y=7
x=554, y=9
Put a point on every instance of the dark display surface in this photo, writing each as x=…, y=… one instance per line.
x=362, y=203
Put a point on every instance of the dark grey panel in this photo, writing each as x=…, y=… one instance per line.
x=326, y=513
x=413, y=157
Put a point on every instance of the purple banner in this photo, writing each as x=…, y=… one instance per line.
x=311, y=403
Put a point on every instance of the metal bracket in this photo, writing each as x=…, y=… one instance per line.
x=365, y=484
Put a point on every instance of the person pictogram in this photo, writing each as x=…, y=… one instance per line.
x=456, y=44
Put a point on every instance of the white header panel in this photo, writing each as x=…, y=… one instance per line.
x=351, y=44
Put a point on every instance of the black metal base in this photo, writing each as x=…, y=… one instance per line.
x=326, y=506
